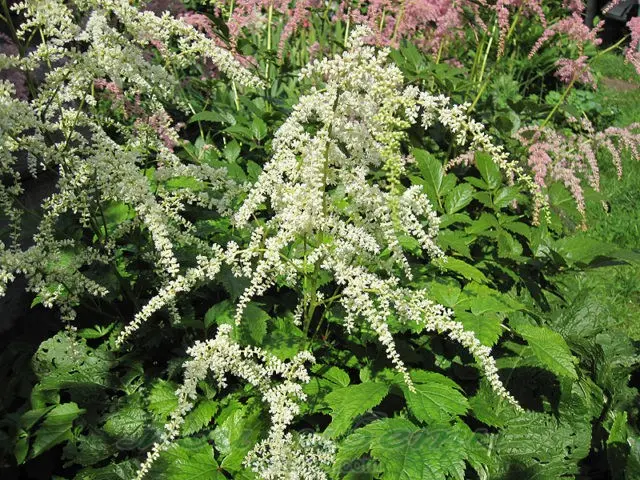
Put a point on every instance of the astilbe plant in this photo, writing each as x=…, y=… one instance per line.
x=61, y=129
x=335, y=185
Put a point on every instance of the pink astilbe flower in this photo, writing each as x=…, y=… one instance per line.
x=618, y=139
x=575, y=70
x=574, y=29
x=428, y=23
x=297, y=17
x=632, y=55
x=503, y=14
x=114, y=91
x=575, y=6
x=571, y=157
x=199, y=22
x=160, y=123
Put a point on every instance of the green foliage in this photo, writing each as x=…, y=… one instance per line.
x=558, y=309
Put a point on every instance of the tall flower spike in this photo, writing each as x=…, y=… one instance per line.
x=340, y=187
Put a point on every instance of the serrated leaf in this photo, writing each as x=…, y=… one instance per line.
x=505, y=196
x=436, y=397
x=432, y=173
x=458, y=198
x=254, y=323
x=258, y=128
x=231, y=151
x=546, y=448
x=333, y=374
x=407, y=452
x=550, y=348
x=460, y=267
x=508, y=246
x=221, y=313
x=237, y=434
x=199, y=417
x=488, y=170
x=56, y=427
x=487, y=327
x=285, y=341
x=163, y=399
x=127, y=425
x=348, y=403
x=359, y=443
x=114, y=471
x=210, y=116
x=189, y=459
x=89, y=449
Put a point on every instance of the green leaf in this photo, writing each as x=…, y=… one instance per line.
x=482, y=299
x=221, y=313
x=231, y=151
x=286, y=340
x=436, y=397
x=407, y=452
x=127, y=424
x=253, y=170
x=237, y=434
x=258, y=128
x=163, y=399
x=348, y=403
x=505, y=196
x=487, y=327
x=545, y=448
x=464, y=269
x=458, y=198
x=488, y=170
x=359, y=443
x=21, y=448
x=455, y=241
x=114, y=471
x=508, y=246
x=190, y=459
x=89, y=449
x=64, y=362
x=432, y=173
x=550, y=349
x=619, y=428
x=333, y=374
x=189, y=183
x=117, y=212
x=210, y=116
x=56, y=427
x=199, y=417
x=581, y=249
x=254, y=323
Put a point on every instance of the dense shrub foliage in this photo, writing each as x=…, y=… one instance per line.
x=316, y=240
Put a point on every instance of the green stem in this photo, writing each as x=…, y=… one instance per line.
x=346, y=30
x=477, y=98
x=573, y=81
x=396, y=27
x=269, y=20
x=486, y=54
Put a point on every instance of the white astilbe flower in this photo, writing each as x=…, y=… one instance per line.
x=86, y=50
x=340, y=190
x=280, y=455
